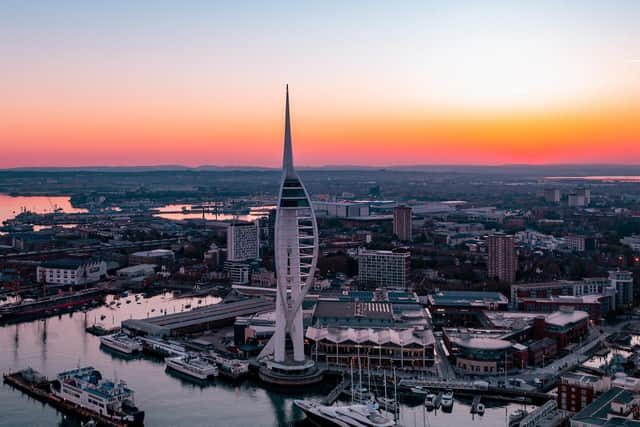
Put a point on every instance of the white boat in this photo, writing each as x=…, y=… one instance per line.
x=419, y=390
x=388, y=404
x=86, y=388
x=480, y=409
x=430, y=401
x=364, y=415
x=516, y=416
x=230, y=368
x=447, y=400
x=343, y=416
x=193, y=366
x=121, y=342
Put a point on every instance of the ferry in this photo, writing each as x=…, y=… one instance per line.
x=192, y=366
x=86, y=388
x=230, y=368
x=343, y=416
x=121, y=342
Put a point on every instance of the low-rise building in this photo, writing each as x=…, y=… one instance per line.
x=140, y=270
x=403, y=348
x=161, y=257
x=71, y=271
x=462, y=308
x=577, y=391
x=615, y=407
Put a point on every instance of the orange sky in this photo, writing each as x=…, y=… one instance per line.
x=371, y=83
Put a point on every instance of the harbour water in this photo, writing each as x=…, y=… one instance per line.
x=169, y=212
x=11, y=206
x=61, y=343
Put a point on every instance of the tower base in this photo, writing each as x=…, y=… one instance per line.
x=290, y=373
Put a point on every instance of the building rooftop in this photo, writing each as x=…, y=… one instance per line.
x=486, y=343
x=154, y=253
x=352, y=309
x=379, y=336
x=67, y=263
x=510, y=319
x=584, y=299
x=599, y=411
x=545, y=284
x=468, y=298
x=566, y=317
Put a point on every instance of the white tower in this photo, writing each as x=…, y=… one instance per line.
x=296, y=255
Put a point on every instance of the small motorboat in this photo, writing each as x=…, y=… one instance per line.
x=430, y=401
x=447, y=400
x=480, y=409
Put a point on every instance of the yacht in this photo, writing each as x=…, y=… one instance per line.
x=121, y=342
x=343, y=416
x=430, y=401
x=192, y=366
x=447, y=400
x=365, y=415
x=86, y=388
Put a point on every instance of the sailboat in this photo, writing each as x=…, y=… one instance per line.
x=388, y=404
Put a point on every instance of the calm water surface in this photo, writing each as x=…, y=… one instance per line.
x=11, y=206
x=253, y=214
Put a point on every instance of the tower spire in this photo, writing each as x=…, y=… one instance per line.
x=287, y=161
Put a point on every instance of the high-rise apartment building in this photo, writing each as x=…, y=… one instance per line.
x=623, y=282
x=402, y=222
x=501, y=263
x=388, y=269
x=243, y=242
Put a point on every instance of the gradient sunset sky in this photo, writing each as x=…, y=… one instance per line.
x=372, y=82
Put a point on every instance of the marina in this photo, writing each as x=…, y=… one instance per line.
x=43, y=344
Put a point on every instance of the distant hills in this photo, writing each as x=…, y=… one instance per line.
x=551, y=169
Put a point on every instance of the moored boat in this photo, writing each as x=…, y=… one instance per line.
x=430, y=401
x=192, y=366
x=343, y=416
x=86, y=388
x=447, y=400
x=121, y=342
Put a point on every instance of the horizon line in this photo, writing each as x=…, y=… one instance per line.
x=325, y=166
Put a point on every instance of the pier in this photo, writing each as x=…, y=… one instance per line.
x=336, y=392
